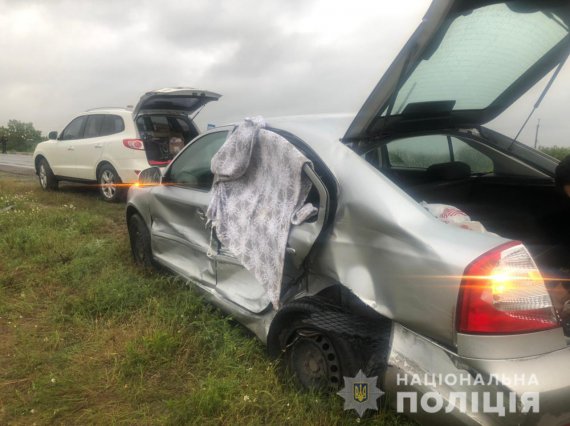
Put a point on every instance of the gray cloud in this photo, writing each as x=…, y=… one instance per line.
x=272, y=57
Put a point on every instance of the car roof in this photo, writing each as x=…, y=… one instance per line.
x=315, y=129
x=108, y=110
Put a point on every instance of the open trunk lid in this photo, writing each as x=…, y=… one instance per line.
x=162, y=121
x=467, y=62
x=179, y=99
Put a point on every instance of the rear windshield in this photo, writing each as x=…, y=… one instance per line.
x=477, y=56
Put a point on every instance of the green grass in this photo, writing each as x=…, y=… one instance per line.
x=86, y=337
x=558, y=152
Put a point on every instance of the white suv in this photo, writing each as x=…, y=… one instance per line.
x=111, y=146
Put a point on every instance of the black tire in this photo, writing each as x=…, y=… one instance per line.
x=319, y=359
x=47, y=179
x=339, y=342
x=110, y=184
x=140, y=242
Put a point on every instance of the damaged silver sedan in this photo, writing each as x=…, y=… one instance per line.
x=433, y=252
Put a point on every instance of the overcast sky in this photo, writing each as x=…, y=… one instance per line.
x=265, y=57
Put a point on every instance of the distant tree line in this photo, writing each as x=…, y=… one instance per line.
x=555, y=151
x=21, y=136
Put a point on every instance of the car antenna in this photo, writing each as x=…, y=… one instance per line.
x=540, y=98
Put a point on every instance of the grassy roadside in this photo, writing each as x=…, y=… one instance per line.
x=85, y=337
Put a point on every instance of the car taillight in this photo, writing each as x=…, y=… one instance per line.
x=503, y=292
x=134, y=144
x=159, y=163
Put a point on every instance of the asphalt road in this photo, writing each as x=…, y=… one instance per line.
x=21, y=164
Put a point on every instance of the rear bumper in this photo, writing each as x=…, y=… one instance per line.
x=128, y=168
x=436, y=386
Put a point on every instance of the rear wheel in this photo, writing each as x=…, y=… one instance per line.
x=110, y=184
x=318, y=358
x=314, y=359
x=140, y=241
x=47, y=179
x=321, y=343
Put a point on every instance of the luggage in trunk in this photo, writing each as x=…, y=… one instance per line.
x=164, y=136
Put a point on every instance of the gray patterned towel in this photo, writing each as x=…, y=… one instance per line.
x=258, y=188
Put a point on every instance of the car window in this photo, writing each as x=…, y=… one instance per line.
x=418, y=152
x=156, y=123
x=192, y=166
x=181, y=124
x=93, y=125
x=478, y=161
x=74, y=130
x=111, y=124
x=476, y=57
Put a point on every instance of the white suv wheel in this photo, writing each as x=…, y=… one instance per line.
x=109, y=182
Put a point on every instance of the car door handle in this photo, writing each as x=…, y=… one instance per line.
x=70, y=148
x=201, y=214
x=98, y=146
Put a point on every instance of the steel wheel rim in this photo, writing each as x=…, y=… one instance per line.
x=43, y=176
x=316, y=363
x=108, y=184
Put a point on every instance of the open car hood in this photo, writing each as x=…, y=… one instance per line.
x=183, y=99
x=467, y=62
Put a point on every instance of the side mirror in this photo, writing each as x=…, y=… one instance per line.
x=52, y=135
x=150, y=176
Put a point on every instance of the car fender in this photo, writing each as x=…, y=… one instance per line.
x=104, y=160
x=43, y=149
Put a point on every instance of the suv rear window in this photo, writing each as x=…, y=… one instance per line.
x=93, y=125
x=103, y=125
x=112, y=124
